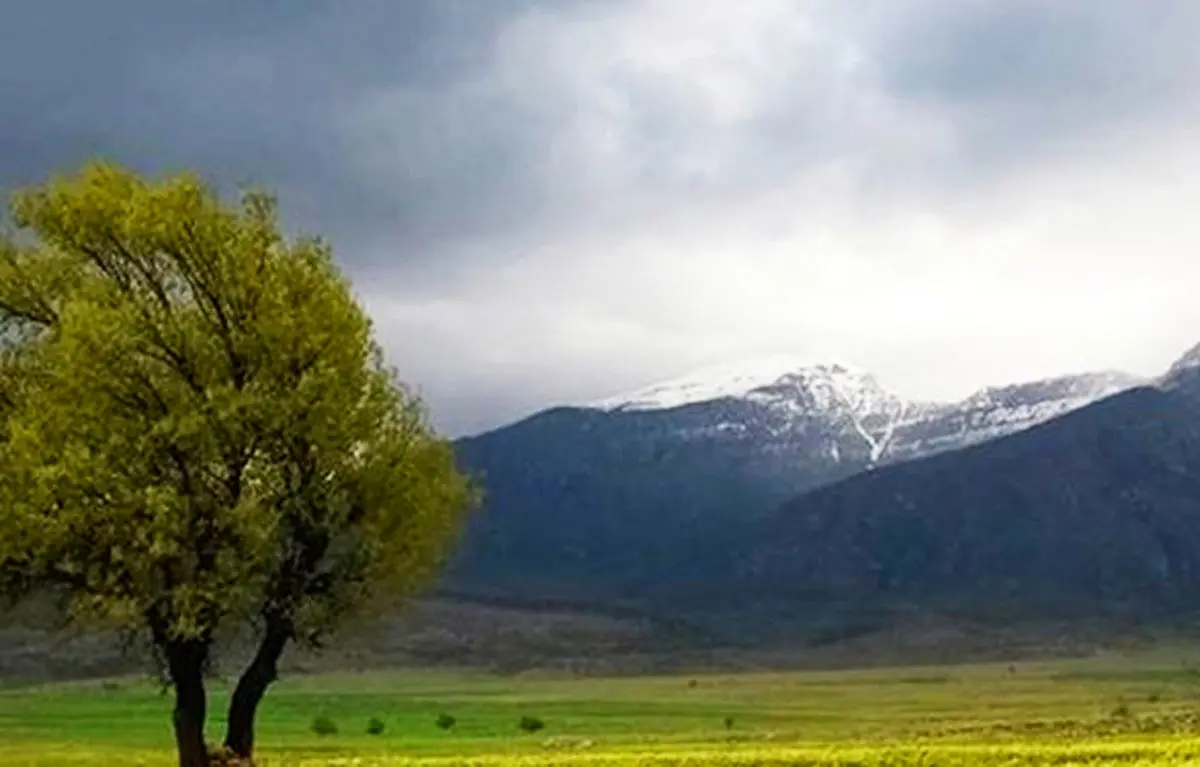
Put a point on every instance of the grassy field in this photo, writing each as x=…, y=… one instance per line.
x=1143, y=709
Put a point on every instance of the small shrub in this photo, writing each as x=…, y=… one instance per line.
x=375, y=726
x=531, y=724
x=729, y=722
x=1122, y=711
x=323, y=726
x=692, y=683
x=446, y=722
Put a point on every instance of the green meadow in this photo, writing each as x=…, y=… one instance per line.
x=1142, y=709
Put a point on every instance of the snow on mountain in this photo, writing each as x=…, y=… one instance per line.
x=999, y=410
x=889, y=427
x=1185, y=365
x=1042, y=400
x=728, y=380
x=870, y=411
x=1184, y=376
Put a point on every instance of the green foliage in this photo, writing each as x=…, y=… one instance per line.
x=375, y=726
x=446, y=722
x=196, y=424
x=323, y=726
x=531, y=724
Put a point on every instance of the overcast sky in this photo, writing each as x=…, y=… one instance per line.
x=547, y=201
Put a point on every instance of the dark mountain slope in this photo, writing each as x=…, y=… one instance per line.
x=1097, y=508
x=649, y=495
x=589, y=504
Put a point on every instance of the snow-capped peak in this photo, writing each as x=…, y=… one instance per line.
x=1072, y=390
x=729, y=380
x=1189, y=361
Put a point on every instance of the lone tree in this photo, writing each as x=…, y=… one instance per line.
x=198, y=433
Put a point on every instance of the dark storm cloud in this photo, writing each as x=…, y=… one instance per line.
x=1118, y=54
x=1026, y=77
x=264, y=92
x=247, y=92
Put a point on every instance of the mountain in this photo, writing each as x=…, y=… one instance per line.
x=889, y=427
x=1183, y=377
x=1098, y=509
x=628, y=497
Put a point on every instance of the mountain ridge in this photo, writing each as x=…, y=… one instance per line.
x=1096, y=510
x=621, y=501
x=781, y=381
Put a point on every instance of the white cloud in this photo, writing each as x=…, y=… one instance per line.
x=717, y=180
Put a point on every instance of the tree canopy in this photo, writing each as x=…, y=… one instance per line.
x=198, y=430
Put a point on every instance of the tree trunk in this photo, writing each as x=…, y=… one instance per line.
x=186, y=663
x=251, y=687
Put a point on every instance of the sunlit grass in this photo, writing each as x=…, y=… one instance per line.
x=1136, y=710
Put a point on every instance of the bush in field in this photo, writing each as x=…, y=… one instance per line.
x=531, y=724
x=446, y=722
x=375, y=726
x=323, y=726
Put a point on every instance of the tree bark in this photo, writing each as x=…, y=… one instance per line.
x=186, y=663
x=251, y=687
